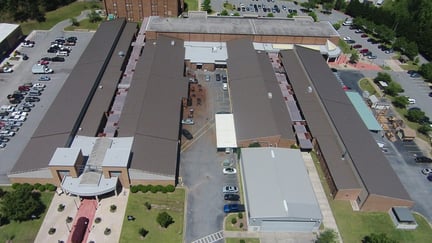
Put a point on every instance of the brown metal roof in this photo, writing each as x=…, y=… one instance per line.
x=67, y=109
x=251, y=79
x=101, y=101
x=153, y=106
x=318, y=122
x=370, y=163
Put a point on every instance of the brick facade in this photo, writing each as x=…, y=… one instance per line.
x=136, y=10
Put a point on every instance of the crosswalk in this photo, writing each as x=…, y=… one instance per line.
x=210, y=238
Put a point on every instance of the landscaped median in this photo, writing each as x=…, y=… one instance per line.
x=148, y=210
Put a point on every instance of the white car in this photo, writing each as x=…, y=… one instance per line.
x=426, y=171
x=7, y=134
x=187, y=121
x=19, y=113
x=17, y=118
x=229, y=189
x=229, y=171
x=2, y=145
x=224, y=86
x=346, y=38
x=39, y=85
x=27, y=104
x=7, y=70
x=27, y=44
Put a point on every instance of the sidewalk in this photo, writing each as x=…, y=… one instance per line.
x=329, y=221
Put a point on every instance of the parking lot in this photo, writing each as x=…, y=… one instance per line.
x=22, y=73
x=201, y=164
x=259, y=7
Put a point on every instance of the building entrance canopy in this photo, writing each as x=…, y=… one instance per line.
x=76, y=186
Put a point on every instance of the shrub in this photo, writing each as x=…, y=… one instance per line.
x=336, y=26
x=50, y=187
x=51, y=231
x=164, y=219
x=69, y=219
x=15, y=185
x=153, y=189
x=241, y=225
x=233, y=220
x=147, y=205
x=143, y=232
x=97, y=220
x=42, y=188
x=107, y=231
x=240, y=215
x=134, y=189
x=61, y=207
x=242, y=241
x=142, y=188
x=170, y=188
x=160, y=188
x=37, y=185
x=113, y=208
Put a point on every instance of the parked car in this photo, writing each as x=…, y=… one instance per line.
x=207, y=78
x=357, y=46
x=44, y=78
x=187, y=134
x=231, y=197
x=43, y=62
x=29, y=105
x=426, y=171
x=23, y=88
x=4, y=139
x=415, y=75
x=57, y=59
x=231, y=208
x=229, y=189
x=365, y=50
x=346, y=38
x=4, y=133
x=350, y=41
x=423, y=159
x=6, y=70
x=187, y=121
x=32, y=99
x=218, y=77
x=372, y=57
x=229, y=171
x=364, y=36
x=358, y=31
x=429, y=177
x=2, y=145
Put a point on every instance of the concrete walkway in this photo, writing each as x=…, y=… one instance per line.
x=57, y=220
x=328, y=218
x=273, y=237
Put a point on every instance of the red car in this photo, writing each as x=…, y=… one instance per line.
x=365, y=50
x=23, y=88
x=364, y=36
x=43, y=62
x=357, y=46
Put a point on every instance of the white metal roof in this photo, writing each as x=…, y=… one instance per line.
x=206, y=52
x=277, y=185
x=225, y=131
x=6, y=30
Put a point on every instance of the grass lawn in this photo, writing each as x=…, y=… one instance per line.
x=25, y=231
x=53, y=17
x=84, y=25
x=172, y=203
x=246, y=240
x=409, y=66
x=191, y=5
x=353, y=226
x=365, y=84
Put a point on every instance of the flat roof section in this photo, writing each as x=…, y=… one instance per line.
x=58, y=124
x=364, y=111
x=366, y=156
x=242, y=26
x=225, y=131
x=318, y=122
x=277, y=185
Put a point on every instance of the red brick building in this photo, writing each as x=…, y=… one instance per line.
x=136, y=10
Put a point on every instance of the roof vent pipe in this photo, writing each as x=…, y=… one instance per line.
x=172, y=43
x=269, y=95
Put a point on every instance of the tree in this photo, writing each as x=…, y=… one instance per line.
x=383, y=77
x=224, y=12
x=426, y=71
x=143, y=232
x=378, y=238
x=328, y=236
x=21, y=204
x=94, y=17
x=415, y=115
x=164, y=219
x=270, y=15
x=425, y=129
x=354, y=57
x=314, y=16
x=236, y=14
x=340, y=4
x=400, y=101
x=206, y=6
x=393, y=89
x=328, y=6
x=74, y=22
x=336, y=26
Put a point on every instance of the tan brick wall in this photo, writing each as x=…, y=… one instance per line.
x=153, y=182
x=33, y=180
x=124, y=178
x=136, y=10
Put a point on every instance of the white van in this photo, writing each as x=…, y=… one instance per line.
x=62, y=54
x=347, y=23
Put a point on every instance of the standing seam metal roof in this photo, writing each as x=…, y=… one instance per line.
x=155, y=101
x=250, y=84
x=372, y=166
x=63, y=116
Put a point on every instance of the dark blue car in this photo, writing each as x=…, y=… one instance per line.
x=231, y=208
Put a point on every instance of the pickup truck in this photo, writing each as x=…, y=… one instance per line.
x=41, y=69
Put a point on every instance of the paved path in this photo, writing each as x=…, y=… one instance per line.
x=328, y=218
